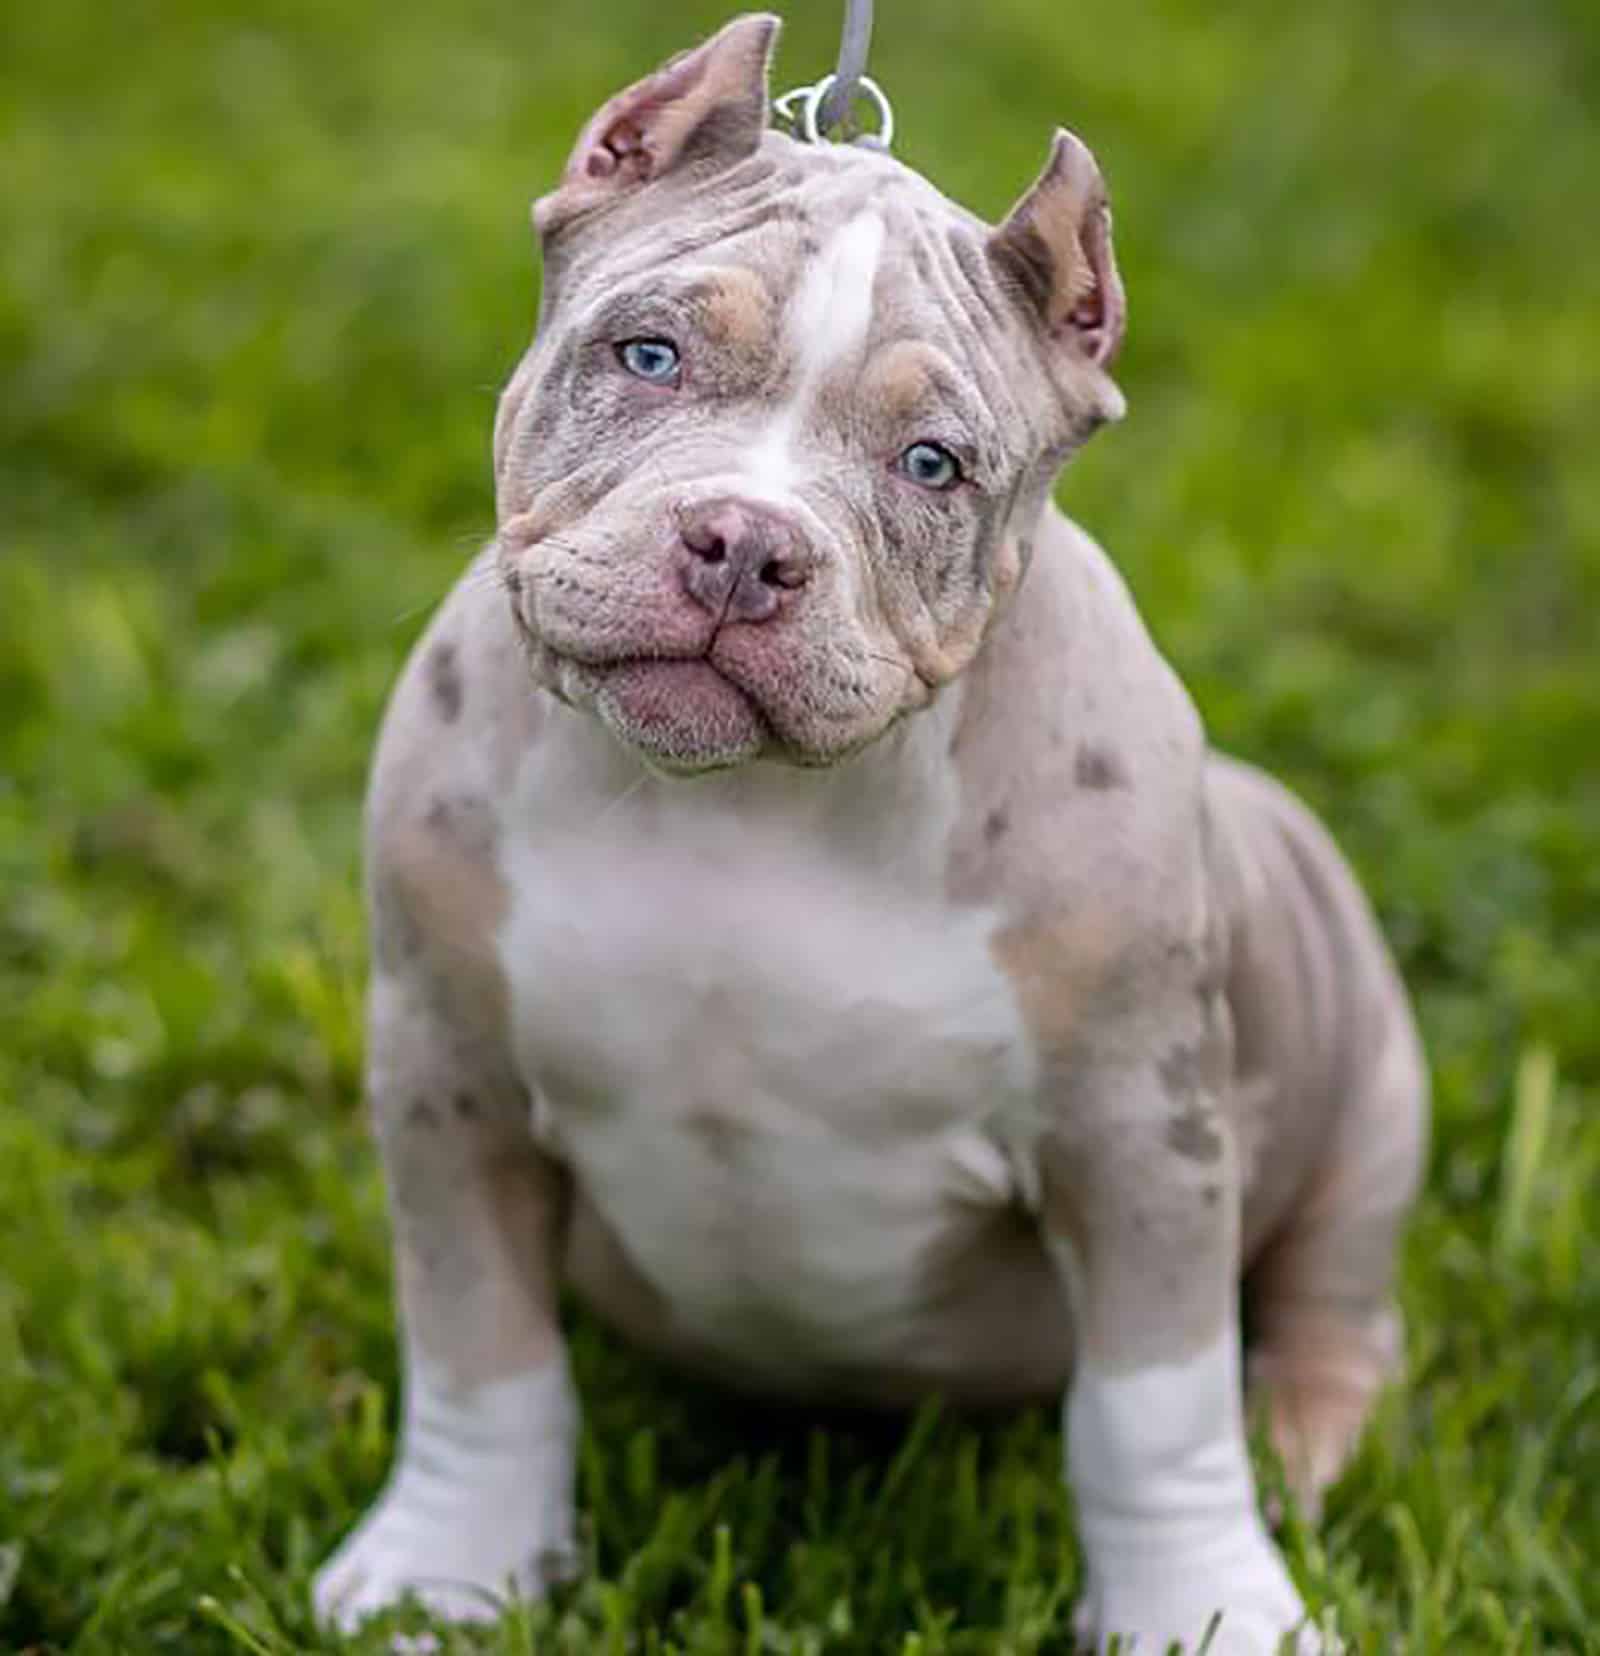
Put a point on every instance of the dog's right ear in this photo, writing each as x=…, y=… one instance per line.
x=706, y=105
x=1055, y=249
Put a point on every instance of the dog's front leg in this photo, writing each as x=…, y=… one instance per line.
x=1141, y=1194
x=480, y=1501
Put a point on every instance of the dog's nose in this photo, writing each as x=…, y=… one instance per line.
x=742, y=561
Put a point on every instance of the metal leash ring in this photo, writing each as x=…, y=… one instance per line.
x=805, y=122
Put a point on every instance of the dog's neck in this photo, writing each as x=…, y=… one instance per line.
x=894, y=804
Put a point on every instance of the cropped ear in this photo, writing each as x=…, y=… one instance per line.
x=1056, y=247
x=709, y=104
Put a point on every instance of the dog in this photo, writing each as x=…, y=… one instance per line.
x=808, y=920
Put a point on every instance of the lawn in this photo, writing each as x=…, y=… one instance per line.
x=262, y=268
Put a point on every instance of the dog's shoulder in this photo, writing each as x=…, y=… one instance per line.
x=1079, y=748
x=449, y=745
x=1083, y=760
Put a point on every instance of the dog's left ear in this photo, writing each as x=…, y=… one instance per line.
x=706, y=105
x=1056, y=248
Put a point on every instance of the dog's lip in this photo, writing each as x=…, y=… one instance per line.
x=778, y=740
x=682, y=709
x=592, y=671
x=702, y=661
x=600, y=666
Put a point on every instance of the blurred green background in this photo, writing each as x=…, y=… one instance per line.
x=262, y=269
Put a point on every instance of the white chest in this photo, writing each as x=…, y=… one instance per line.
x=777, y=1073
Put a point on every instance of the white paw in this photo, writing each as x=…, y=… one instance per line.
x=461, y=1570
x=478, y=1510
x=1152, y=1609
x=1167, y=1516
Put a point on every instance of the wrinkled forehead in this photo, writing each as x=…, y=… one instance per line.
x=828, y=259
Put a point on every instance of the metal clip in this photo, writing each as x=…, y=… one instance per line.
x=797, y=111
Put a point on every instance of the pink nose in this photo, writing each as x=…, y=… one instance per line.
x=741, y=562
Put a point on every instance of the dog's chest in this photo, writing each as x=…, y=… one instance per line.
x=781, y=1081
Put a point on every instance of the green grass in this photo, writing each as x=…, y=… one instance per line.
x=261, y=269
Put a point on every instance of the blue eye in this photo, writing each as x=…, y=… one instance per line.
x=655, y=360
x=931, y=466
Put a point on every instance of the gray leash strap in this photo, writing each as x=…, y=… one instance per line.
x=854, y=40
x=811, y=113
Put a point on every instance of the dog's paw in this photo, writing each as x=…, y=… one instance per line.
x=1250, y=1611
x=1314, y=1381
x=478, y=1511
x=463, y=1569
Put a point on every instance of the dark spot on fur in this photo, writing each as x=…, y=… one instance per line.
x=723, y=1139
x=444, y=681
x=1183, y=1072
x=396, y=935
x=1197, y=1069
x=1191, y=1075
x=996, y=825
x=1211, y=1195
x=1194, y=1134
x=1100, y=768
x=461, y=822
x=422, y=1114
x=466, y=1106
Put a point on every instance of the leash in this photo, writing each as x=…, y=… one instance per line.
x=813, y=113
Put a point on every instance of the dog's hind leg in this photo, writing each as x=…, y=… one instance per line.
x=1331, y=1092
x=1328, y=1334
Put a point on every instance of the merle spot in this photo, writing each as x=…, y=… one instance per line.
x=1194, y=1134
x=444, y=681
x=397, y=936
x=1100, y=769
x=996, y=825
x=1190, y=1075
x=1183, y=1072
x=723, y=1139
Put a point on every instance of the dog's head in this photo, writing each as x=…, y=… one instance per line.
x=775, y=455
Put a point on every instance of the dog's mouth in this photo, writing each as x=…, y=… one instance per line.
x=681, y=713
